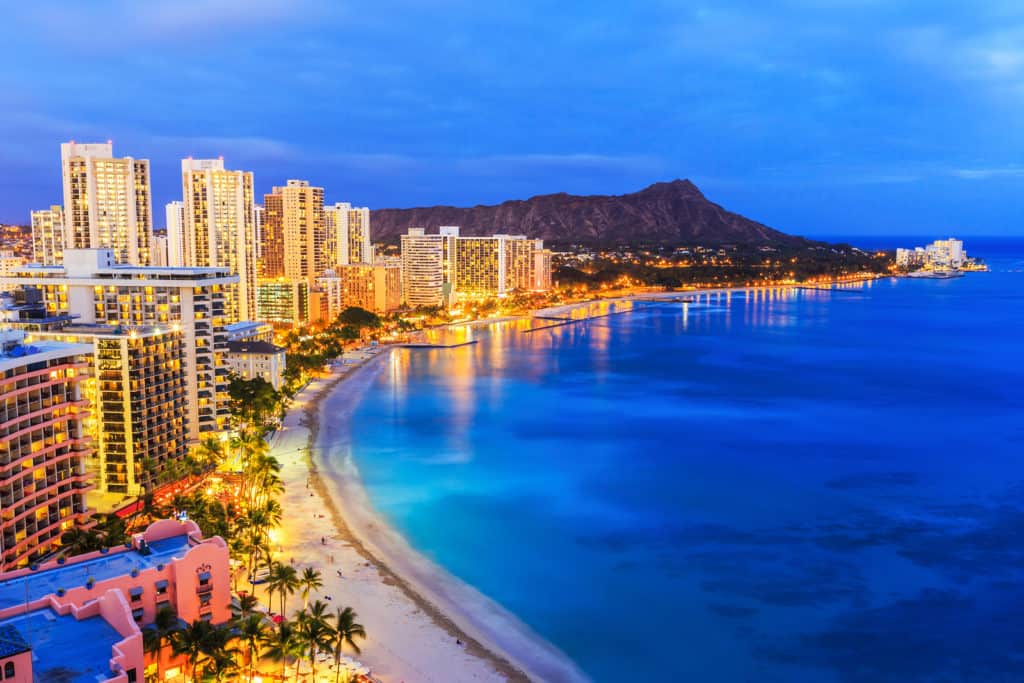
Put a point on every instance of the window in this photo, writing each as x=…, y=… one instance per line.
x=135, y=593
x=9, y=670
x=161, y=587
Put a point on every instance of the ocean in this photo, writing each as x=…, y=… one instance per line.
x=796, y=485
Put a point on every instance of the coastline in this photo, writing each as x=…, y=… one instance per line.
x=423, y=623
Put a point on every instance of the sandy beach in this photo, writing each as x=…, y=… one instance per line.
x=423, y=624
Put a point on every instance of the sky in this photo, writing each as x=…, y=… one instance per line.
x=817, y=117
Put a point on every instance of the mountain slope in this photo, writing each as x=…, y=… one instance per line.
x=668, y=213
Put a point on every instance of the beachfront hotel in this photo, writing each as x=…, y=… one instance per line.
x=443, y=268
x=218, y=229
x=43, y=445
x=295, y=236
x=95, y=289
x=81, y=618
x=348, y=233
x=427, y=265
x=107, y=202
x=48, y=236
x=136, y=392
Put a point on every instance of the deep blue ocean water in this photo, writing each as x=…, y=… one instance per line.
x=798, y=486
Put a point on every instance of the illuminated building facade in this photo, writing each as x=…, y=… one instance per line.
x=136, y=391
x=440, y=269
x=175, y=221
x=92, y=287
x=376, y=287
x=107, y=202
x=283, y=301
x=43, y=445
x=251, y=359
x=48, y=236
x=295, y=236
x=219, y=228
x=348, y=230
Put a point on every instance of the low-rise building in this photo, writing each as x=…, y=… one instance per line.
x=81, y=617
x=376, y=287
x=251, y=359
x=250, y=330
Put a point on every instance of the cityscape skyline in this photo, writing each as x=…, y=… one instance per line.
x=813, y=120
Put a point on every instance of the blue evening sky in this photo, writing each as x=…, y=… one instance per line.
x=815, y=116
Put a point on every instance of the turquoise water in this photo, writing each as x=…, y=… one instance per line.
x=799, y=486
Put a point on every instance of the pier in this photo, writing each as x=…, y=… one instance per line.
x=430, y=345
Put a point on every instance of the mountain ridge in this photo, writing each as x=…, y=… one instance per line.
x=667, y=212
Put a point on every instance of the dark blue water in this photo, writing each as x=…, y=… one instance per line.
x=805, y=486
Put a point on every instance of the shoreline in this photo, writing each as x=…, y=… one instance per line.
x=432, y=626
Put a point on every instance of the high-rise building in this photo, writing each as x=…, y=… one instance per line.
x=440, y=269
x=272, y=244
x=43, y=447
x=92, y=287
x=541, y=275
x=295, y=237
x=160, y=251
x=348, y=231
x=257, y=215
x=376, y=287
x=48, y=236
x=426, y=266
x=219, y=229
x=137, y=406
x=283, y=301
x=175, y=217
x=107, y=202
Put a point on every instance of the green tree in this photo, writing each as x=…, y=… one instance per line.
x=160, y=633
x=284, y=581
x=310, y=581
x=315, y=632
x=282, y=644
x=252, y=630
x=358, y=318
x=345, y=630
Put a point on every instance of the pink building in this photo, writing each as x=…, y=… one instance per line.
x=43, y=447
x=80, y=620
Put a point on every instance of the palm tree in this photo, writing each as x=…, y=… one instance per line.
x=252, y=629
x=346, y=630
x=309, y=581
x=220, y=655
x=192, y=642
x=243, y=606
x=160, y=633
x=282, y=644
x=284, y=581
x=315, y=632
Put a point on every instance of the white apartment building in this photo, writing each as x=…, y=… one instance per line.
x=107, y=202
x=91, y=286
x=348, y=230
x=48, y=236
x=219, y=229
x=175, y=222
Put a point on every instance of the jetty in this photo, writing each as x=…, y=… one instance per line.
x=433, y=345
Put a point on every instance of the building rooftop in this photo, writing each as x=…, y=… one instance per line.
x=63, y=648
x=11, y=641
x=253, y=347
x=36, y=585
